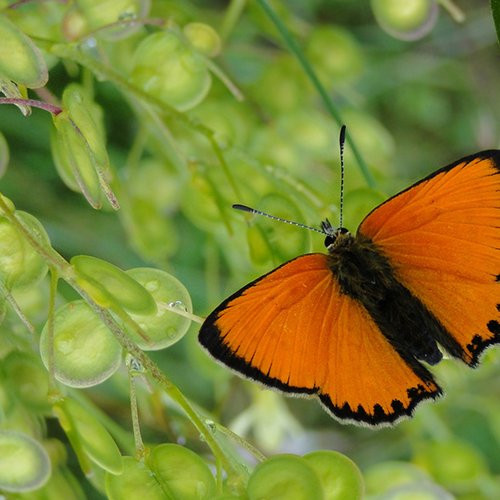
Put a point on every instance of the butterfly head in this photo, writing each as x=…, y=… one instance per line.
x=333, y=235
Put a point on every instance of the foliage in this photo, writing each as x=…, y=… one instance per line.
x=128, y=129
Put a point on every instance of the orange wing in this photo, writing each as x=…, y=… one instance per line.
x=442, y=237
x=292, y=329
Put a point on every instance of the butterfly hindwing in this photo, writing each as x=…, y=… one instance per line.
x=293, y=329
x=442, y=238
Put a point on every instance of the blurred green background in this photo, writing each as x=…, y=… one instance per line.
x=417, y=84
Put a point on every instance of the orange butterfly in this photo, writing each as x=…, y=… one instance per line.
x=355, y=326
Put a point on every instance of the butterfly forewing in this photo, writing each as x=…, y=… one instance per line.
x=259, y=331
x=442, y=237
x=294, y=330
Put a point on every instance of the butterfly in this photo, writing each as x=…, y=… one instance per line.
x=358, y=326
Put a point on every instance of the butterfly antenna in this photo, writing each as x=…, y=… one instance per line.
x=244, y=208
x=341, y=142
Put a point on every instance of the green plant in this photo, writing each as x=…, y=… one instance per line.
x=160, y=115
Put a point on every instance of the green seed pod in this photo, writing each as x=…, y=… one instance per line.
x=106, y=283
x=75, y=161
x=135, y=483
x=170, y=471
x=284, y=477
x=336, y=54
x=28, y=378
x=99, y=13
x=164, y=327
x=79, y=144
x=203, y=38
x=20, y=264
x=165, y=66
x=85, y=351
x=87, y=116
x=93, y=438
x=339, y=475
x=20, y=59
x=24, y=463
x=184, y=473
x=408, y=20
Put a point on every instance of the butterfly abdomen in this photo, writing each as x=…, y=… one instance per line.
x=366, y=275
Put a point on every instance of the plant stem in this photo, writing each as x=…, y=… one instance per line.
x=134, y=411
x=180, y=312
x=54, y=278
x=51, y=108
x=454, y=10
x=233, y=13
x=15, y=306
x=237, y=94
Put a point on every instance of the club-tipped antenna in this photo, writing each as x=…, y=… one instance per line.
x=244, y=208
x=341, y=143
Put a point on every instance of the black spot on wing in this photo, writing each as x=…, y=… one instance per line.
x=479, y=341
x=494, y=326
x=478, y=344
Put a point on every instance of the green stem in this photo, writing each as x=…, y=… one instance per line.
x=134, y=411
x=454, y=10
x=237, y=94
x=233, y=13
x=180, y=312
x=15, y=306
x=295, y=49
x=54, y=278
x=51, y=108
x=241, y=442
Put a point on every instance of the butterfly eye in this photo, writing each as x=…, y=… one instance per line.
x=329, y=240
